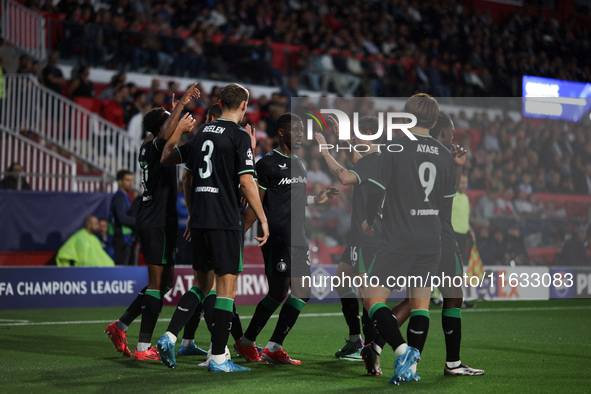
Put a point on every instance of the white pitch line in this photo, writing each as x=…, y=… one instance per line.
x=15, y=320
x=331, y=314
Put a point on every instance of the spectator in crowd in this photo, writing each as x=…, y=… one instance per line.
x=515, y=252
x=123, y=222
x=24, y=65
x=81, y=86
x=13, y=180
x=460, y=219
x=83, y=248
x=486, y=206
x=117, y=81
x=316, y=175
x=105, y=237
x=52, y=76
x=574, y=251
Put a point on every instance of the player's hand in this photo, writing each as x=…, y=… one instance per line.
x=263, y=240
x=321, y=141
x=187, y=233
x=190, y=94
x=460, y=155
x=187, y=123
x=332, y=121
x=367, y=229
x=252, y=134
x=325, y=195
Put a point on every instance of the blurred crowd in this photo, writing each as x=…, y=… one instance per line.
x=380, y=48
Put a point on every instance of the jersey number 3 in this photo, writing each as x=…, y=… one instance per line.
x=427, y=174
x=207, y=147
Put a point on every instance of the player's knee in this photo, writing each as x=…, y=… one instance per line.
x=449, y=303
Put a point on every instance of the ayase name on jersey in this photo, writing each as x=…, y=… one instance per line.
x=427, y=149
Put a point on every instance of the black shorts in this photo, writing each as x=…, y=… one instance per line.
x=284, y=260
x=158, y=245
x=389, y=267
x=360, y=258
x=451, y=264
x=218, y=250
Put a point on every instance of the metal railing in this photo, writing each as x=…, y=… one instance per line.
x=24, y=29
x=31, y=107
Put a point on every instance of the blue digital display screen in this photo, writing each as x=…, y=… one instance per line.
x=555, y=98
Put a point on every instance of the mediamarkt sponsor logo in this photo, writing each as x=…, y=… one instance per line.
x=289, y=181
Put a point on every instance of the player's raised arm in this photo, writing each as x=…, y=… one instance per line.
x=345, y=176
x=355, y=156
x=171, y=123
x=250, y=191
x=170, y=153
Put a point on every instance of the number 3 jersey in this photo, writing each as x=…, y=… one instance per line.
x=217, y=156
x=417, y=180
x=284, y=180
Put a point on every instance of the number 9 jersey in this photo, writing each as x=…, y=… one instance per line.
x=217, y=156
x=417, y=180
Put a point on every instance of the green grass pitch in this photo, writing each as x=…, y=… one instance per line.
x=524, y=346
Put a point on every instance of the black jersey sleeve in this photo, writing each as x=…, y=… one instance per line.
x=243, y=152
x=262, y=175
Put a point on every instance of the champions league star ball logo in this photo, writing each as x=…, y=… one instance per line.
x=281, y=266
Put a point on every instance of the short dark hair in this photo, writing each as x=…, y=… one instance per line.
x=154, y=120
x=369, y=124
x=12, y=165
x=443, y=122
x=284, y=121
x=233, y=95
x=425, y=108
x=122, y=174
x=215, y=111
x=87, y=221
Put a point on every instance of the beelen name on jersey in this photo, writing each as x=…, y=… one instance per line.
x=427, y=149
x=214, y=129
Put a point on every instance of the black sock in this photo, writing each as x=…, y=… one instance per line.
x=451, y=320
x=222, y=322
x=369, y=331
x=350, y=308
x=261, y=316
x=134, y=310
x=193, y=323
x=236, y=329
x=287, y=317
x=208, y=304
x=418, y=328
x=386, y=325
x=151, y=305
x=185, y=310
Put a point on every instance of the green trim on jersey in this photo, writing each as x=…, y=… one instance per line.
x=422, y=135
x=240, y=264
x=358, y=177
x=377, y=184
x=164, y=259
x=245, y=172
x=180, y=156
x=420, y=312
x=375, y=307
x=452, y=312
x=154, y=293
x=188, y=169
x=450, y=195
x=289, y=157
x=155, y=144
x=225, y=304
x=262, y=187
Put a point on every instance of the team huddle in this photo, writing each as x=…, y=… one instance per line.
x=400, y=226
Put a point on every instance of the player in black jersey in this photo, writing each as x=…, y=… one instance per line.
x=361, y=249
x=417, y=180
x=220, y=157
x=189, y=309
x=157, y=226
x=282, y=183
x=450, y=265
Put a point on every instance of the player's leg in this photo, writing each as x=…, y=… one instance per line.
x=186, y=306
x=298, y=267
x=275, y=257
x=117, y=331
x=188, y=347
x=226, y=249
x=209, y=303
x=349, y=304
x=451, y=317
